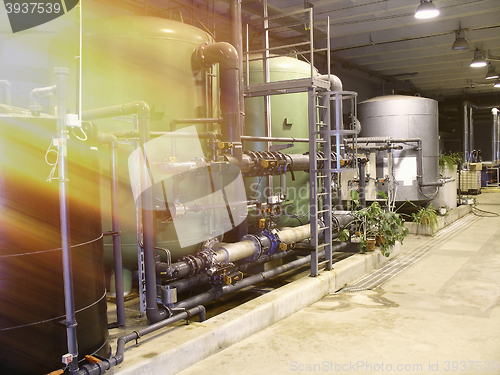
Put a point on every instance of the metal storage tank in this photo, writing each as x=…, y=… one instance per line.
x=32, y=329
x=132, y=58
x=399, y=116
x=289, y=118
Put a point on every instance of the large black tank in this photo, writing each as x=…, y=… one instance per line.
x=32, y=314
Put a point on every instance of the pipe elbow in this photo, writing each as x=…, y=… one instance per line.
x=220, y=52
x=108, y=138
x=335, y=82
x=138, y=107
x=155, y=314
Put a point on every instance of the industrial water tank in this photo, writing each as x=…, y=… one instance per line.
x=289, y=118
x=151, y=59
x=404, y=117
x=32, y=328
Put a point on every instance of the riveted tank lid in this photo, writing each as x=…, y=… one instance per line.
x=392, y=105
x=143, y=27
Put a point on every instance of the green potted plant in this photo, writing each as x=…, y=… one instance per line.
x=426, y=217
x=374, y=222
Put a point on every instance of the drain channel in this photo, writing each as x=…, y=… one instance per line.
x=399, y=264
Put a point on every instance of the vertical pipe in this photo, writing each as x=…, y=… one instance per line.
x=266, y=79
x=466, y=133
x=495, y=135
x=6, y=92
x=237, y=42
x=362, y=184
x=69, y=300
x=471, y=133
x=117, y=241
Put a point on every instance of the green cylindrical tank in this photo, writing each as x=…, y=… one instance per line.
x=289, y=118
x=132, y=58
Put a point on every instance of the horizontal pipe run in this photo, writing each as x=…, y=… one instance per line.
x=254, y=279
x=135, y=134
x=249, y=138
x=202, y=279
x=106, y=364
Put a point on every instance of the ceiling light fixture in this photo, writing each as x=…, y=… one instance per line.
x=492, y=74
x=426, y=9
x=460, y=42
x=497, y=84
x=478, y=61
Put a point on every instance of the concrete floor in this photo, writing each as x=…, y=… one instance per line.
x=439, y=316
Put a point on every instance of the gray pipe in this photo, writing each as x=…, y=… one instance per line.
x=227, y=57
x=115, y=229
x=104, y=365
x=62, y=132
x=495, y=137
x=420, y=158
x=362, y=183
x=254, y=279
x=37, y=94
x=237, y=42
x=140, y=108
x=7, y=99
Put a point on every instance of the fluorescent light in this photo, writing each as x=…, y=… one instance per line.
x=426, y=9
x=478, y=61
x=497, y=84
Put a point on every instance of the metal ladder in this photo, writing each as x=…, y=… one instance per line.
x=327, y=156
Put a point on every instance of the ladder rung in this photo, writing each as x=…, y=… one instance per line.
x=320, y=229
x=321, y=106
x=321, y=176
x=321, y=211
x=319, y=194
x=321, y=159
x=322, y=245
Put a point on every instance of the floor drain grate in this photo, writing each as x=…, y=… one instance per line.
x=399, y=264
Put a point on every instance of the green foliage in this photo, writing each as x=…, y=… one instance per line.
x=375, y=221
x=450, y=160
x=426, y=216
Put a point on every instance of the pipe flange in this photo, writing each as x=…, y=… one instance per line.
x=274, y=239
x=258, y=246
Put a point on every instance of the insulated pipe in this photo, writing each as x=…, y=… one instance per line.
x=112, y=141
x=35, y=96
x=466, y=133
x=335, y=82
x=62, y=133
x=141, y=108
x=215, y=293
x=6, y=91
x=495, y=137
x=227, y=57
x=106, y=364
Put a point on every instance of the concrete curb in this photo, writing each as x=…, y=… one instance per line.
x=235, y=325
x=443, y=221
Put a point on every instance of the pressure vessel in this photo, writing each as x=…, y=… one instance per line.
x=404, y=117
x=32, y=317
x=151, y=59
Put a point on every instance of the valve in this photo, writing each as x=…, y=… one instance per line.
x=232, y=278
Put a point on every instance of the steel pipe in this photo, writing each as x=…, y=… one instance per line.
x=112, y=141
x=153, y=312
x=37, y=94
x=254, y=279
x=495, y=137
x=227, y=57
